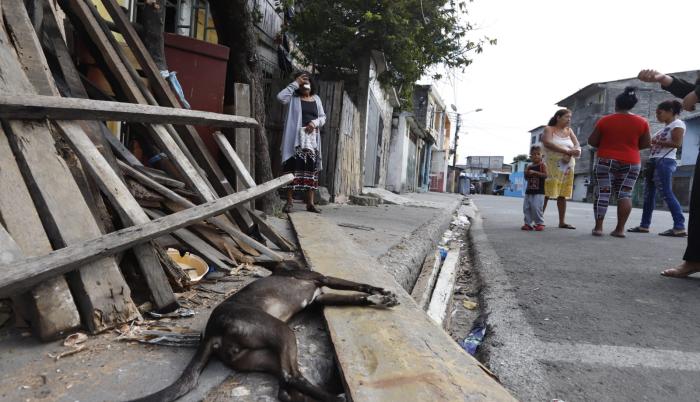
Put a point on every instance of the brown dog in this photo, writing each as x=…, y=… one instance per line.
x=248, y=331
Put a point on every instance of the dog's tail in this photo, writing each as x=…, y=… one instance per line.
x=188, y=379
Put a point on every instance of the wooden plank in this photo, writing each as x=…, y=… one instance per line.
x=103, y=297
x=396, y=354
x=239, y=166
x=166, y=97
x=241, y=99
x=23, y=274
x=248, y=181
x=92, y=160
x=270, y=232
x=161, y=177
x=183, y=202
x=128, y=208
x=200, y=247
x=50, y=306
x=22, y=32
x=37, y=107
x=168, y=144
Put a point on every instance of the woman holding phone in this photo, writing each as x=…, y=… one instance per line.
x=301, y=141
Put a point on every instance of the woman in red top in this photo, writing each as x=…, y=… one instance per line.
x=618, y=137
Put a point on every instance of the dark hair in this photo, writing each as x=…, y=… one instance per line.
x=561, y=112
x=535, y=148
x=311, y=82
x=671, y=106
x=627, y=99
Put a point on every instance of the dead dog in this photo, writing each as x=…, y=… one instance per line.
x=248, y=331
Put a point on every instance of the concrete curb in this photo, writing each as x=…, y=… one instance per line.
x=405, y=259
x=510, y=352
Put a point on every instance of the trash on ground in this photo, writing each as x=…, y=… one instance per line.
x=75, y=339
x=475, y=337
x=179, y=313
x=73, y=343
x=470, y=305
x=192, y=264
x=443, y=253
x=159, y=335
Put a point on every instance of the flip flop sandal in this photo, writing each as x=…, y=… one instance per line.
x=673, y=273
x=597, y=233
x=620, y=235
x=566, y=226
x=672, y=233
x=638, y=229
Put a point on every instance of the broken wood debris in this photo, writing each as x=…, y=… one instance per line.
x=58, y=157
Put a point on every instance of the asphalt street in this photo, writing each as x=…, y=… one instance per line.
x=581, y=318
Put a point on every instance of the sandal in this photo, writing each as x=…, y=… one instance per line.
x=312, y=208
x=638, y=229
x=597, y=233
x=674, y=233
x=615, y=234
x=566, y=226
x=676, y=273
x=287, y=208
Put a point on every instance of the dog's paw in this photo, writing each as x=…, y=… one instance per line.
x=379, y=291
x=388, y=300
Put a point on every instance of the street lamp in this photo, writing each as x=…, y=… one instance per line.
x=459, y=121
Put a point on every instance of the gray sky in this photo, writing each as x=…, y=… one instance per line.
x=549, y=49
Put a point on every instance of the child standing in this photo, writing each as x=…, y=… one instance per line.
x=533, y=204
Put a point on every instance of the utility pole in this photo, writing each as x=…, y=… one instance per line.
x=454, y=157
x=459, y=125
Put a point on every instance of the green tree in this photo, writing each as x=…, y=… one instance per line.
x=415, y=35
x=521, y=158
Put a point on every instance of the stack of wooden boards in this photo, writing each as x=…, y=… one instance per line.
x=64, y=195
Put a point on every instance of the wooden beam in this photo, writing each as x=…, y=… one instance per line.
x=102, y=295
x=203, y=249
x=111, y=184
x=168, y=144
x=395, y=354
x=243, y=135
x=270, y=232
x=20, y=275
x=235, y=161
x=248, y=182
x=166, y=97
x=37, y=107
x=50, y=306
x=183, y=202
x=128, y=208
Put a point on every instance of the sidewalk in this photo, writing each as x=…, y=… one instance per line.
x=109, y=370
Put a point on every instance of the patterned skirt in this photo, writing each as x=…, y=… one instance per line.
x=560, y=175
x=303, y=166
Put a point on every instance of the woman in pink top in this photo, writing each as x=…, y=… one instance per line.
x=618, y=137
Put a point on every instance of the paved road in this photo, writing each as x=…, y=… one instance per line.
x=581, y=318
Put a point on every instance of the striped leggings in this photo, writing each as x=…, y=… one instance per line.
x=613, y=177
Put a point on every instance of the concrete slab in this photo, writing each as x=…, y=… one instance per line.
x=388, y=355
x=391, y=198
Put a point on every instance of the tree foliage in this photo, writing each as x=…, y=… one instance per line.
x=415, y=35
x=521, y=158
